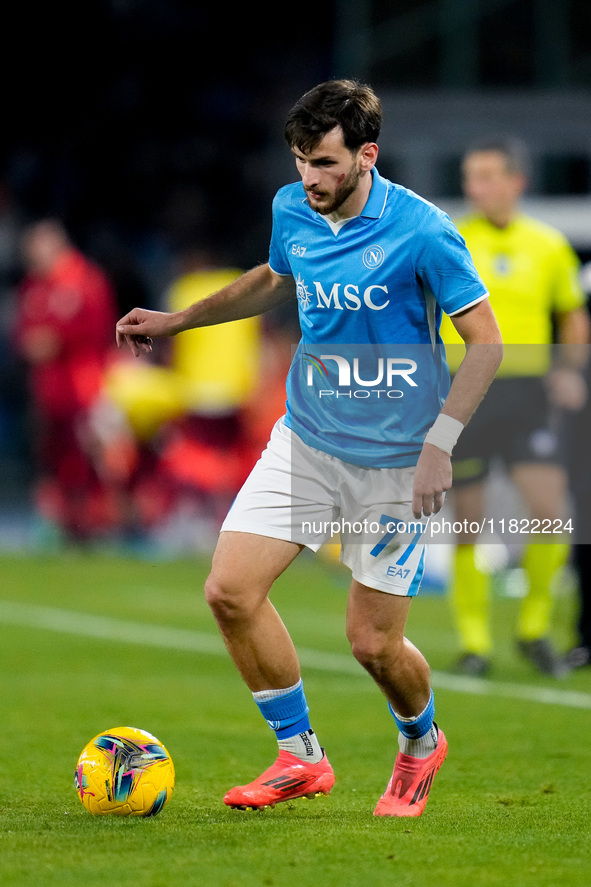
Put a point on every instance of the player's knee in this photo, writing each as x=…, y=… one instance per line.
x=227, y=600
x=222, y=599
x=374, y=650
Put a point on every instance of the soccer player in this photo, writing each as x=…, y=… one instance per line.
x=372, y=265
x=531, y=274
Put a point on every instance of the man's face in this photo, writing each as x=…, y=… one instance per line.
x=41, y=246
x=490, y=185
x=330, y=172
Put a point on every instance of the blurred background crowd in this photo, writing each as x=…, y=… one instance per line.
x=142, y=145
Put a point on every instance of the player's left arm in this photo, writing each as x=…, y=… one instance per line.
x=484, y=351
x=565, y=382
x=574, y=328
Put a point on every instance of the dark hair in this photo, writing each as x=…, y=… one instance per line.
x=346, y=103
x=513, y=149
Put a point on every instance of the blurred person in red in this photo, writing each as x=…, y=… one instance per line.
x=61, y=297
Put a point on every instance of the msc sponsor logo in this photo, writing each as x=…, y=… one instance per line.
x=341, y=296
x=303, y=294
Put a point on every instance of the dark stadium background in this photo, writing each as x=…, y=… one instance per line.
x=148, y=124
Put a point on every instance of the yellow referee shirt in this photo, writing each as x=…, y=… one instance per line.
x=531, y=273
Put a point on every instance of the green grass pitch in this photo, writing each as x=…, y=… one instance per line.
x=94, y=641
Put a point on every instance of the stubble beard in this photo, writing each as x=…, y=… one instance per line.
x=347, y=187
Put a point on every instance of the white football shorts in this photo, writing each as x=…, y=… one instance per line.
x=303, y=495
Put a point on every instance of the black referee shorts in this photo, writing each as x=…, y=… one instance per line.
x=514, y=424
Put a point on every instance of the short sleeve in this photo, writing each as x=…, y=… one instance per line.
x=444, y=265
x=278, y=260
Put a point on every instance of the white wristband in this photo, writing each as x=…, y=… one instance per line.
x=444, y=433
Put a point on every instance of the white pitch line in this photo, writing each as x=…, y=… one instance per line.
x=107, y=628
x=527, y=692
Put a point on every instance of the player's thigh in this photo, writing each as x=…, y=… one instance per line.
x=291, y=494
x=245, y=566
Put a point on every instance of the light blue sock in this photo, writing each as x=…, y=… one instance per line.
x=286, y=712
x=418, y=736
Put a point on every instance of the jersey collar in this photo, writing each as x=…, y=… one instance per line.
x=376, y=201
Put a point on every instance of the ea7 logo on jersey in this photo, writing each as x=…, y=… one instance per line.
x=297, y=250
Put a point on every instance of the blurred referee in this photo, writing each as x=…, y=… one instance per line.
x=531, y=273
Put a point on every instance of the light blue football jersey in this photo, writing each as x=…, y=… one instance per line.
x=369, y=375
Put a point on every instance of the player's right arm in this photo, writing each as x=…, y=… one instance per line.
x=484, y=351
x=255, y=292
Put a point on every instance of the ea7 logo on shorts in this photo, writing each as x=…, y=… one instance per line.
x=373, y=257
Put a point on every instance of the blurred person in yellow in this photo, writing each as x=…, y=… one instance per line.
x=218, y=365
x=531, y=272
x=217, y=370
x=191, y=415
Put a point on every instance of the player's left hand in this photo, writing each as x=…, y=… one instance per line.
x=138, y=327
x=433, y=477
x=567, y=388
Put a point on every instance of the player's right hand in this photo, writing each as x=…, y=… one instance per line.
x=433, y=478
x=138, y=327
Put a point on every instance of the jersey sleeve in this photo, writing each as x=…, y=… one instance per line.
x=444, y=265
x=567, y=293
x=278, y=260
